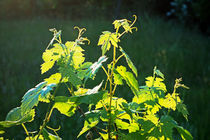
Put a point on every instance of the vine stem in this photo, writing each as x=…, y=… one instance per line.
x=24, y=127
x=48, y=114
x=111, y=92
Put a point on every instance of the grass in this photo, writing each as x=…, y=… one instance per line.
x=177, y=51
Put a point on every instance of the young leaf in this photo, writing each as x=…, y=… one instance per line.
x=130, y=63
x=14, y=117
x=50, y=57
x=157, y=83
x=159, y=73
x=78, y=56
x=94, y=67
x=124, y=23
x=106, y=39
x=63, y=105
x=184, y=133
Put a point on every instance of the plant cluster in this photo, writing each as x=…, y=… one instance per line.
x=147, y=116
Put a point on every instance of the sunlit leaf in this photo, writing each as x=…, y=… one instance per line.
x=129, y=78
x=133, y=127
x=46, y=66
x=68, y=74
x=156, y=82
x=41, y=92
x=81, y=91
x=92, y=96
x=117, y=79
x=14, y=117
x=91, y=120
x=130, y=63
x=64, y=106
x=159, y=73
x=104, y=136
x=106, y=39
x=116, y=103
x=168, y=102
x=95, y=67
x=48, y=136
x=121, y=124
x=124, y=23
x=184, y=133
x=51, y=56
x=53, y=79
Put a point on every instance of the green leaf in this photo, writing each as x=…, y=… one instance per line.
x=63, y=105
x=90, y=97
x=50, y=57
x=183, y=109
x=14, y=117
x=116, y=24
x=132, y=136
x=130, y=63
x=41, y=92
x=129, y=78
x=124, y=23
x=106, y=39
x=159, y=73
x=91, y=120
x=168, y=102
x=2, y=132
x=126, y=26
x=114, y=40
x=68, y=73
x=77, y=55
x=95, y=67
x=167, y=125
x=53, y=79
x=48, y=136
x=184, y=133
x=46, y=66
x=121, y=124
x=117, y=79
x=86, y=65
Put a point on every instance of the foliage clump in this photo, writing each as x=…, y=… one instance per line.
x=147, y=116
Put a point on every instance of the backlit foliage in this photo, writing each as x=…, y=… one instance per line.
x=147, y=116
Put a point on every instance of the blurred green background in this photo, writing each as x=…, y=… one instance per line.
x=170, y=36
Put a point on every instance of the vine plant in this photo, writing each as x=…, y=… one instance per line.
x=146, y=117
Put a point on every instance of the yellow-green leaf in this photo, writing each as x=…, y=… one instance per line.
x=53, y=79
x=46, y=66
x=64, y=106
x=168, y=102
x=130, y=63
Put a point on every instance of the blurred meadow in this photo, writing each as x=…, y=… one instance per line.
x=178, y=49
